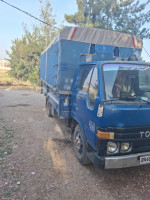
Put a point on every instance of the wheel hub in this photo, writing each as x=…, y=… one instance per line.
x=78, y=142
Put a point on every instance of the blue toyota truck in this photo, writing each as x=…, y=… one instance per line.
x=95, y=80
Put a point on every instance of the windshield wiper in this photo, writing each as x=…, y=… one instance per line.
x=135, y=98
x=110, y=100
x=138, y=98
x=146, y=91
x=125, y=99
x=118, y=99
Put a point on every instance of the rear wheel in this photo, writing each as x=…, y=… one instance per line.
x=80, y=146
x=48, y=109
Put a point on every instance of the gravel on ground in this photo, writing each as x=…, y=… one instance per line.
x=37, y=161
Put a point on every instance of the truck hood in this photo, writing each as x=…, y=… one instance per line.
x=125, y=115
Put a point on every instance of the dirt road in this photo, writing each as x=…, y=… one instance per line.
x=42, y=165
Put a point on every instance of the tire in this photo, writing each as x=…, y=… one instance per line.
x=48, y=109
x=79, y=145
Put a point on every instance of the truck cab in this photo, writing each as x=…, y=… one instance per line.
x=111, y=114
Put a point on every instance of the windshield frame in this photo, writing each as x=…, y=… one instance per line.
x=119, y=101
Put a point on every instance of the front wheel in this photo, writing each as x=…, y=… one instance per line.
x=48, y=109
x=80, y=146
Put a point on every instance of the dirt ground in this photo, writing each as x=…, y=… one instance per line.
x=39, y=162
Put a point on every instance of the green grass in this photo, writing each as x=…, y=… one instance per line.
x=9, y=192
x=8, y=132
x=2, y=155
x=5, y=79
x=5, y=140
x=5, y=175
x=8, y=149
x=6, y=135
x=2, y=143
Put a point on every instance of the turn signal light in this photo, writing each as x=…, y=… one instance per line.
x=105, y=135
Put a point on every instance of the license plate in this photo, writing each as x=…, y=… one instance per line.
x=144, y=160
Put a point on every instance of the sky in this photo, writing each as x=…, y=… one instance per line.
x=12, y=20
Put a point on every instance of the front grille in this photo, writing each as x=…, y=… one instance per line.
x=142, y=145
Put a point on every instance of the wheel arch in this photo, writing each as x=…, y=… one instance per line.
x=75, y=122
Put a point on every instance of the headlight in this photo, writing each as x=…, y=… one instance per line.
x=125, y=146
x=112, y=147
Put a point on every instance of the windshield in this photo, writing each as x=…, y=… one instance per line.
x=128, y=82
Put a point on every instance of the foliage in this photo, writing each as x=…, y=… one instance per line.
x=129, y=16
x=24, y=56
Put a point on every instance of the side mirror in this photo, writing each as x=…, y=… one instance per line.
x=100, y=110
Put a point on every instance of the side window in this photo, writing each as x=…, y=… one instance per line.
x=144, y=79
x=84, y=78
x=93, y=89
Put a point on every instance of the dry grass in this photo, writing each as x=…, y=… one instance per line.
x=6, y=80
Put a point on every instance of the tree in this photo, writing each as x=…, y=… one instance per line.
x=24, y=57
x=47, y=33
x=128, y=16
x=15, y=58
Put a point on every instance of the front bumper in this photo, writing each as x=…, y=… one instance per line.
x=114, y=162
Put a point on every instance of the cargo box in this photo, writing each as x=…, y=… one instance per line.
x=73, y=46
